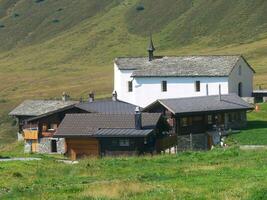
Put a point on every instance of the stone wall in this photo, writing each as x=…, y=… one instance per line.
x=45, y=146
x=192, y=142
x=27, y=146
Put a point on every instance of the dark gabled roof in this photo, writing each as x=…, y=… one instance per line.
x=40, y=107
x=180, y=66
x=107, y=106
x=90, y=124
x=203, y=104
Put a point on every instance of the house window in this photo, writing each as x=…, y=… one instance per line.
x=239, y=70
x=184, y=122
x=124, y=142
x=209, y=119
x=197, y=86
x=114, y=142
x=44, y=127
x=164, y=86
x=130, y=86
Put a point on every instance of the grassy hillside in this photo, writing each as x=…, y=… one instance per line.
x=48, y=46
x=218, y=174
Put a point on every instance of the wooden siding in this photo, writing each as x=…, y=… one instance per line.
x=34, y=146
x=30, y=134
x=82, y=147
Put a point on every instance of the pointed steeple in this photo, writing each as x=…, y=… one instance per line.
x=151, y=49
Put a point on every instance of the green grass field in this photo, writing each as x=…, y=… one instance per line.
x=256, y=132
x=218, y=174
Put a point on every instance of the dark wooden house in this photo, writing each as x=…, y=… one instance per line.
x=202, y=115
x=99, y=134
x=38, y=120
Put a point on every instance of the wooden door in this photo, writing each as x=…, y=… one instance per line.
x=78, y=148
x=34, y=145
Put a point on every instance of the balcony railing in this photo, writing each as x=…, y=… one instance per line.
x=48, y=133
x=30, y=134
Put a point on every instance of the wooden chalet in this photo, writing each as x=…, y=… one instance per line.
x=202, y=115
x=100, y=134
x=38, y=120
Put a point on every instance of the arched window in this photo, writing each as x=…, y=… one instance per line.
x=240, y=89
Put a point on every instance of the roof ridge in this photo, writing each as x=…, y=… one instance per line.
x=184, y=55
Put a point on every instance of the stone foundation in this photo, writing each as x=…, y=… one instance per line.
x=27, y=146
x=45, y=145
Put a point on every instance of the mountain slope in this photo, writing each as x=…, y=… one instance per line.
x=49, y=46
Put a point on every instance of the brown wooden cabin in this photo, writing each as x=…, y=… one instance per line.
x=202, y=115
x=38, y=120
x=103, y=134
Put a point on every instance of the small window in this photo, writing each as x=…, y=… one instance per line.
x=130, y=86
x=114, y=142
x=124, y=143
x=184, y=122
x=164, y=86
x=197, y=86
x=239, y=70
x=209, y=119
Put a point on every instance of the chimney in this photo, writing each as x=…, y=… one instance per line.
x=138, y=118
x=207, y=89
x=151, y=49
x=220, y=92
x=65, y=97
x=91, y=97
x=114, y=95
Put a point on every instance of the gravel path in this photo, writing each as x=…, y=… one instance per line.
x=253, y=147
x=18, y=159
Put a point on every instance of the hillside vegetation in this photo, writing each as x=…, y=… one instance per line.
x=218, y=174
x=49, y=46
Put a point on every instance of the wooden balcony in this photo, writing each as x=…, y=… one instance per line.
x=30, y=134
x=49, y=133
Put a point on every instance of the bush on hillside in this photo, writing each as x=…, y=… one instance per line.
x=55, y=20
x=16, y=15
x=140, y=8
x=39, y=1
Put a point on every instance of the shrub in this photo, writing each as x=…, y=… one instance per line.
x=39, y=1
x=140, y=8
x=16, y=15
x=55, y=20
x=17, y=174
x=2, y=26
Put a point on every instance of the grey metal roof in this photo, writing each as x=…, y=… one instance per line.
x=184, y=66
x=203, y=104
x=90, y=124
x=39, y=107
x=122, y=132
x=107, y=106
